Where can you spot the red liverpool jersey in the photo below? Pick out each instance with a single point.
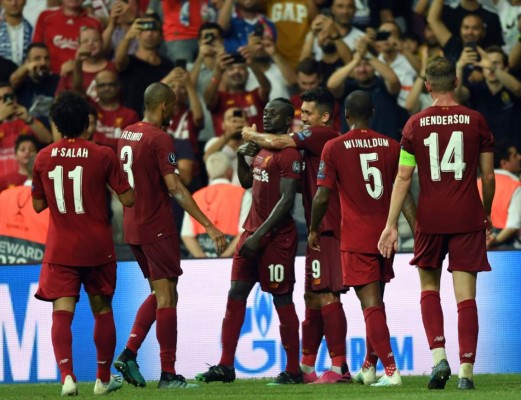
(447, 142)
(362, 165)
(147, 154)
(71, 175)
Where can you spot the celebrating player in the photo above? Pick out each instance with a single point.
(323, 285)
(70, 177)
(362, 165)
(148, 157)
(447, 141)
(267, 248)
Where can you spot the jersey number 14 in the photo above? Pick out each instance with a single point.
(452, 160)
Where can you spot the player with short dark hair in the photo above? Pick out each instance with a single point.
(448, 142)
(267, 248)
(147, 155)
(361, 165)
(323, 279)
(69, 177)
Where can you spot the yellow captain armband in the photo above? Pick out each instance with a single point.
(407, 159)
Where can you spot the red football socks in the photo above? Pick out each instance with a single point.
(312, 332)
(289, 336)
(468, 329)
(166, 331)
(378, 334)
(61, 337)
(105, 341)
(145, 317)
(231, 329)
(371, 358)
(335, 330)
(432, 316)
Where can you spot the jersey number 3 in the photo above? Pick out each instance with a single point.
(128, 157)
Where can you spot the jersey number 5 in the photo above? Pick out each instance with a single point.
(128, 157)
(76, 174)
(452, 160)
(378, 189)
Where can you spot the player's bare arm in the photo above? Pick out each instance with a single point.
(389, 239)
(288, 188)
(409, 211)
(488, 181)
(127, 198)
(318, 211)
(39, 205)
(267, 140)
(244, 171)
(184, 198)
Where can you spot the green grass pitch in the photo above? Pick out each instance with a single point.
(488, 387)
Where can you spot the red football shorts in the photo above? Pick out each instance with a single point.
(467, 251)
(57, 281)
(274, 265)
(324, 267)
(160, 259)
(360, 269)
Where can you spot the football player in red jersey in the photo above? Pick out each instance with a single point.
(362, 165)
(69, 177)
(147, 155)
(323, 283)
(267, 248)
(448, 142)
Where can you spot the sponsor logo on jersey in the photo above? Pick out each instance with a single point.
(171, 159)
(266, 161)
(65, 43)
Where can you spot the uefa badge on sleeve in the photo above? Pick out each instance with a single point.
(297, 168)
(171, 159)
(321, 168)
(302, 135)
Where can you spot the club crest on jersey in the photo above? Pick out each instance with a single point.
(297, 168)
(321, 169)
(171, 159)
(302, 135)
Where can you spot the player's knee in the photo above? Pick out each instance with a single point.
(311, 300)
(281, 300)
(328, 298)
(239, 291)
(100, 304)
(165, 299)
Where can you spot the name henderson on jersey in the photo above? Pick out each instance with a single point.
(445, 120)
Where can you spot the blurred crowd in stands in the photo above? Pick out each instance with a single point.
(225, 59)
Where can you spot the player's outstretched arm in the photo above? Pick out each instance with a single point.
(184, 198)
(318, 210)
(389, 239)
(288, 188)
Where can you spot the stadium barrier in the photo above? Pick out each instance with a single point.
(25, 323)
